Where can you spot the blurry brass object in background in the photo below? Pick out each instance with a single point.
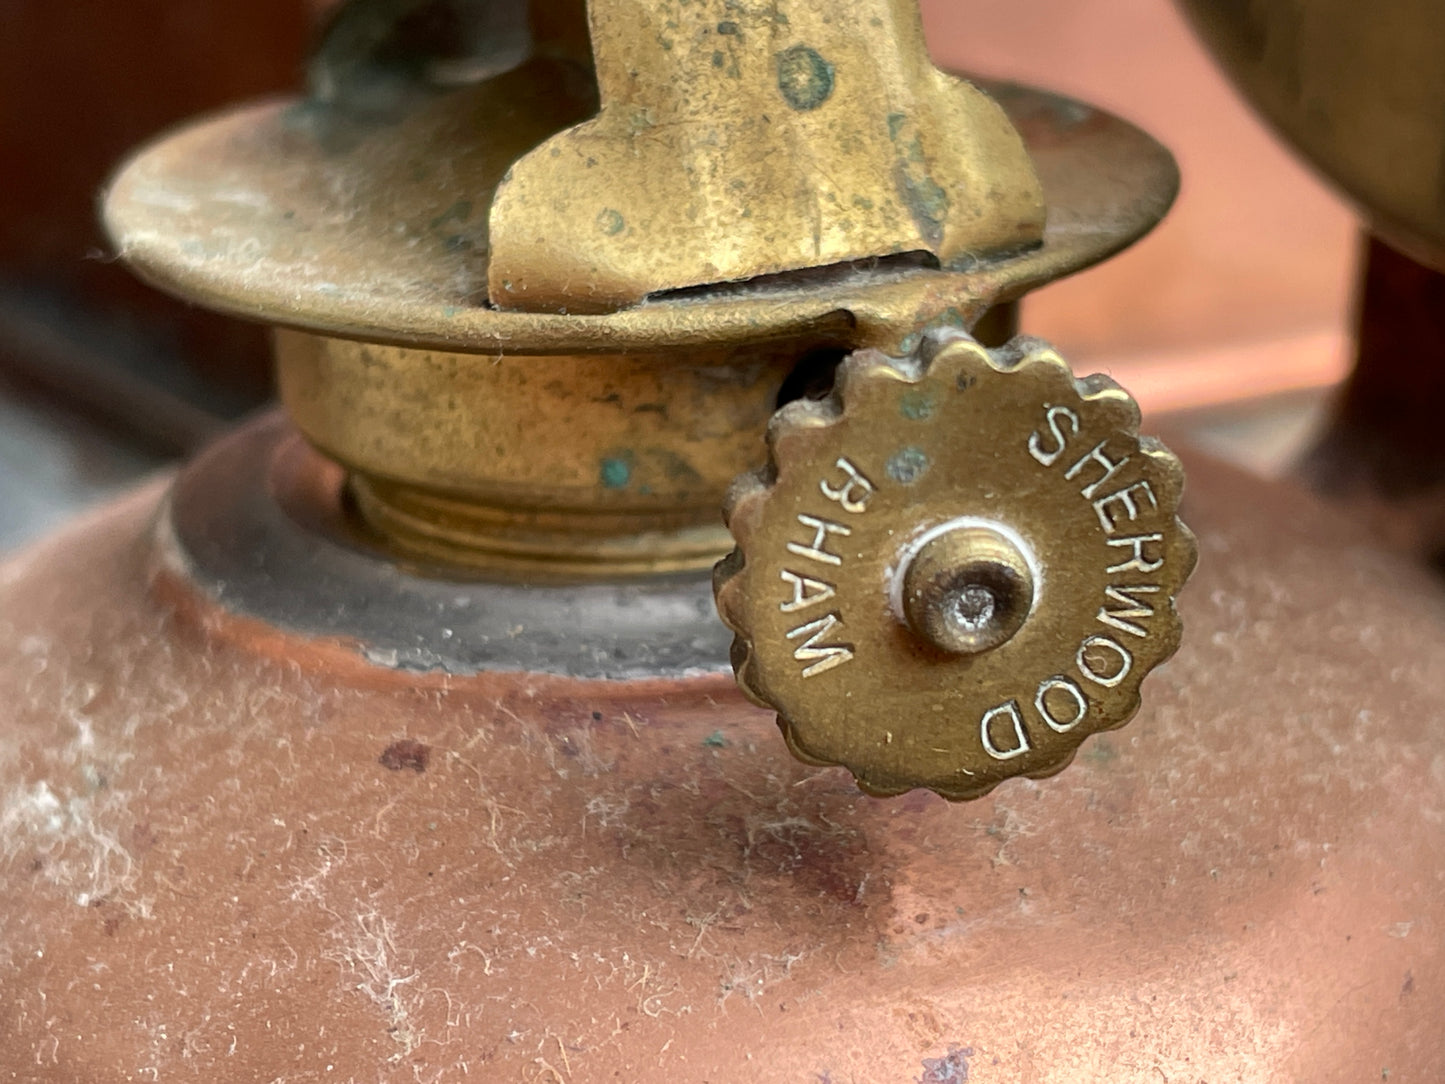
(1359, 88)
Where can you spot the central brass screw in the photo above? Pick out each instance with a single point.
(968, 590)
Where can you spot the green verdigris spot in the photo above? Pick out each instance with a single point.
(611, 222)
(908, 466)
(805, 79)
(917, 406)
(927, 201)
(616, 473)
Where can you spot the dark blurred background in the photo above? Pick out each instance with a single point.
(101, 377)
(1241, 299)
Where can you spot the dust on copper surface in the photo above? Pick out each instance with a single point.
(564, 898)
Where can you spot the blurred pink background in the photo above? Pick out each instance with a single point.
(1257, 251)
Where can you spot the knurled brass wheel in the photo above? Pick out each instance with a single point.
(956, 568)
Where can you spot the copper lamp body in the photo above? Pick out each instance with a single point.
(396, 736)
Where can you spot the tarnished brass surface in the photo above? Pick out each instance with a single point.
(543, 344)
(1359, 89)
(383, 235)
(595, 464)
(863, 485)
(487, 438)
(734, 143)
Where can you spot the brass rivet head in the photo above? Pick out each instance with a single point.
(967, 590)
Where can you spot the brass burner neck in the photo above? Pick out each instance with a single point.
(538, 467)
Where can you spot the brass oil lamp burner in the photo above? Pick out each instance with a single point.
(398, 736)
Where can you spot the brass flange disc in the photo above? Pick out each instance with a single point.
(1068, 548)
(265, 212)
